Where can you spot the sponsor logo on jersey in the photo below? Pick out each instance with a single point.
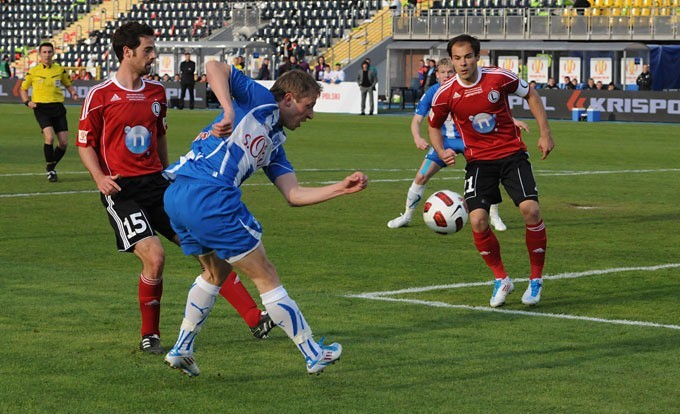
(494, 96)
(156, 108)
(137, 139)
(82, 136)
(483, 123)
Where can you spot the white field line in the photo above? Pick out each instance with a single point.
(458, 174)
(387, 296)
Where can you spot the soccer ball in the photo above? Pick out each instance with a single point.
(445, 212)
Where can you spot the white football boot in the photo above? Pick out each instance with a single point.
(401, 221)
(495, 219)
(533, 293)
(330, 354)
(184, 362)
(502, 288)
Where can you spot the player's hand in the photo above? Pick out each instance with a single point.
(75, 97)
(107, 184)
(224, 127)
(421, 143)
(355, 182)
(521, 125)
(448, 156)
(545, 145)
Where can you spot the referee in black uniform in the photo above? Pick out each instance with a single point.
(47, 102)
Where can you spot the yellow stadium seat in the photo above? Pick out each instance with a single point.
(615, 11)
(645, 11)
(627, 3)
(598, 4)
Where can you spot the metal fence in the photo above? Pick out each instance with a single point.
(662, 24)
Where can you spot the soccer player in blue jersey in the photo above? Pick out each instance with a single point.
(432, 163)
(205, 207)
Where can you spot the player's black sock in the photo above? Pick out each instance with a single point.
(58, 155)
(49, 157)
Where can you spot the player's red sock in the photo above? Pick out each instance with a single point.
(150, 292)
(237, 294)
(488, 247)
(537, 242)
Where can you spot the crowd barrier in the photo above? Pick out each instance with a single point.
(642, 106)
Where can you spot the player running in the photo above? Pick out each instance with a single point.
(477, 98)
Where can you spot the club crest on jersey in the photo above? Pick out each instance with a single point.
(483, 123)
(494, 96)
(137, 139)
(156, 108)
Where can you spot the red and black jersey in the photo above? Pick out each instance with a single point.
(481, 113)
(123, 126)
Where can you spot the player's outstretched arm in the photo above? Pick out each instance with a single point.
(545, 140)
(298, 196)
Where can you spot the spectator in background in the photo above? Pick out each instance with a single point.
(5, 71)
(166, 78)
(551, 84)
(289, 65)
(327, 75)
(264, 73)
(612, 87)
(237, 63)
(304, 66)
(187, 69)
(599, 86)
(580, 6)
(644, 80)
(590, 85)
(177, 78)
(338, 75)
(367, 81)
(532, 84)
(422, 74)
(320, 68)
(431, 76)
(575, 83)
(567, 83)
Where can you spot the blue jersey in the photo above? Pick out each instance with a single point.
(255, 142)
(423, 108)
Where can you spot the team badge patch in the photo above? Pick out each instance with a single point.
(494, 96)
(156, 108)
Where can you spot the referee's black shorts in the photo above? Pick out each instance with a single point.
(51, 114)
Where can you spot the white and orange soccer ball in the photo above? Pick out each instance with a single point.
(445, 212)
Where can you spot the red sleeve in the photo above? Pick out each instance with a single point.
(91, 120)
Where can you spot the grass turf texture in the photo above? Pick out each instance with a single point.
(70, 317)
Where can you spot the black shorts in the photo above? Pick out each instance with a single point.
(137, 211)
(51, 115)
(482, 179)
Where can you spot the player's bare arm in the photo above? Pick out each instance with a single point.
(218, 77)
(545, 140)
(105, 183)
(298, 196)
(421, 143)
(437, 140)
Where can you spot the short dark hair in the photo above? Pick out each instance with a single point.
(45, 44)
(300, 83)
(129, 35)
(465, 38)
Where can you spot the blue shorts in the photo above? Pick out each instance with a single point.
(209, 218)
(455, 144)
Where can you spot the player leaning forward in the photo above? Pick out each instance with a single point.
(477, 99)
(205, 207)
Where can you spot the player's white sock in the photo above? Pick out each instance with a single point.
(285, 313)
(413, 197)
(200, 301)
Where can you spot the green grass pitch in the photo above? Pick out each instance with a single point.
(410, 307)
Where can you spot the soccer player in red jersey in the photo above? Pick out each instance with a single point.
(477, 99)
(122, 142)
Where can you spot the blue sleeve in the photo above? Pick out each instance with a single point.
(425, 102)
(246, 92)
(278, 166)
